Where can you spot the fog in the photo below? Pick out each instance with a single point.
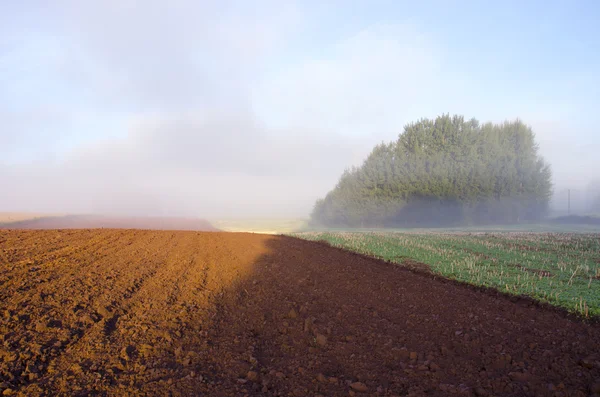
(190, 108)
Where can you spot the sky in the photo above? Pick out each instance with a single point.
(237, 108)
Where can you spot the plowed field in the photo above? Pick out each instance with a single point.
(122, 312)
(109, 222)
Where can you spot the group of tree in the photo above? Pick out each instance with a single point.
(447, 171)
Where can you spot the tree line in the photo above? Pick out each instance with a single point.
(447, 171)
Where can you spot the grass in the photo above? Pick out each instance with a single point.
(562, 269)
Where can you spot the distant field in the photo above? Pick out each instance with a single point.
(258, 225)
(9, 217)
(109, 222)
(562, 269)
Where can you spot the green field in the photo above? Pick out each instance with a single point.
(562, 269)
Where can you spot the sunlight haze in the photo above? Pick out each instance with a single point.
(238, 109)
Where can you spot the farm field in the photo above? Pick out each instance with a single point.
(260, 225)
(562, 269)
(123, 312)
(109, 222)
(11, 217)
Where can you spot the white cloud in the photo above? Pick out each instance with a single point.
(215, 165)
(176, 55)
(186, 149)
(369, 83)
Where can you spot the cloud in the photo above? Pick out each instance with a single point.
(190, 140)
(162, 56)
(368, 83)
(214, 165)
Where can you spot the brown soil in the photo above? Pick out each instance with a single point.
(112, 222)
(122, 312)
(418, 266)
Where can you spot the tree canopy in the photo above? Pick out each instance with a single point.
(447, 171)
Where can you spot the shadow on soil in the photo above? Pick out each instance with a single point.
(312, 319)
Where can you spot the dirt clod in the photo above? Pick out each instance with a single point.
(480, 392)
(127, 352)
(308, 324)
(588, 363)
(321, 340)
(359, 386)
(519, 376)
(252, 376)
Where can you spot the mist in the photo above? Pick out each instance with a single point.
(232, 110)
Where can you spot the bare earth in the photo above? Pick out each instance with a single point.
(111, 222)
(9, 217)
(122, 312)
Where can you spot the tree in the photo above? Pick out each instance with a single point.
(446, 171)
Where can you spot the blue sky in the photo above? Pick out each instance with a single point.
(151, 101)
